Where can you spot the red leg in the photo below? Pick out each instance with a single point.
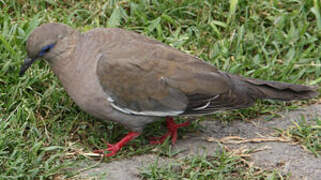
(172, 131)
(114, 148)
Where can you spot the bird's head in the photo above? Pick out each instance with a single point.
(46, 41)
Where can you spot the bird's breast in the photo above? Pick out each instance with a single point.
(81, 84)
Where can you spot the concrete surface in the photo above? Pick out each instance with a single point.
(288, 158)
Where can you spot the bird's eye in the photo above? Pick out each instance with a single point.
(46, 49)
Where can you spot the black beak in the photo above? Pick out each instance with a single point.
(26, 64)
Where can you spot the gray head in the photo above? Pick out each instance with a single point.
(44, 42)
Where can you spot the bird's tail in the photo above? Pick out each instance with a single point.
(260, 89)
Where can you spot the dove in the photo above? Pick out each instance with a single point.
(122, 76)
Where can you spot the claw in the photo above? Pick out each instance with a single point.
(159, 140)
(114, 148)
(99, 151)
(110, 146)
(172, 132)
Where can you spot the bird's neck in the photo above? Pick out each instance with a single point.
(64, 60)
(64, 50)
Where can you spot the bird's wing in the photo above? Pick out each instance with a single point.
(145, 77)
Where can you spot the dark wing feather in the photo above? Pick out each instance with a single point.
(144, 77)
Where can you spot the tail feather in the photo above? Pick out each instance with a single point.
(260, 89)
(244, 91)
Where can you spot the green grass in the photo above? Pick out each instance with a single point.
(221, 165)
(308, 134)
(39, 123)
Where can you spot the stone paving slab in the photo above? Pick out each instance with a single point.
(284, 156)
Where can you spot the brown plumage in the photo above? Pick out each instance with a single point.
(125, 77)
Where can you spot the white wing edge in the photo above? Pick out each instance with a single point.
(207, 104)
(143, 113)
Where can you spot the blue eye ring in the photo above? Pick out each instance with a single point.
(46, 49)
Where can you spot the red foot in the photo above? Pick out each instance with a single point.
(114, 148)
(172, 131)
